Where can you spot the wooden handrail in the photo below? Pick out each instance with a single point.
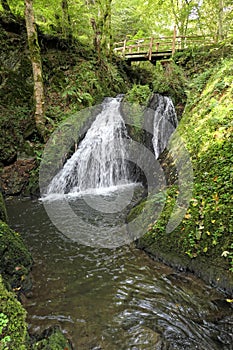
(158, 44)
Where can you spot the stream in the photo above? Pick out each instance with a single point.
(115, 299)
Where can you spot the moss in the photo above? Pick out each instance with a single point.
(13, 327)
(3, 213)
(15, 260)
(54, 340)
(203, 240)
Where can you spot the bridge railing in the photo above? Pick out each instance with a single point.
(155, 45)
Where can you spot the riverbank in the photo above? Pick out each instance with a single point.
(203, 242)
(214, 274)
(15, 285)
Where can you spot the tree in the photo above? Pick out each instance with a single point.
(101, 25)
(34, 50)
(66, 24)
(220, 12)
(182, 11)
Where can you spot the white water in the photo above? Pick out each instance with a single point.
(100, 161)
(165, 123)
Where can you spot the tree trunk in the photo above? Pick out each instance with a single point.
(34, 50)
(66, 24)
(181, 11)
(102, 28)
(107, 28)
(220, 20)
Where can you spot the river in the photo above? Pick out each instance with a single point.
(115, 299)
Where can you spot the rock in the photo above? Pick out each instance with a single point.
(15, 178)
(52, 339)
(3, 213)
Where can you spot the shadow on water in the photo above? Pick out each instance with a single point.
(116, 299)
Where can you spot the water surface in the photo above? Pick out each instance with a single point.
(116, 299)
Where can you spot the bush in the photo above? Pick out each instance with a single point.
(170, 79)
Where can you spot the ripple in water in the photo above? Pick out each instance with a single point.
(116, 299)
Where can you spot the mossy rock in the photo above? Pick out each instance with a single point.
(202, 242)
(15, 259)
(13, 327)
(53, 340)
(3, 213)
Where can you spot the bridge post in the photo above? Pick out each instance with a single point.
(124, 46)
(174, 41)
(150, 48)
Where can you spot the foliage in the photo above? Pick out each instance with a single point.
(209, 140)
(170, 79)
(138, 94)
(135, 102)
(202, 59)
(206, 127)
(13, 327)
(131, 18)
(16, 90)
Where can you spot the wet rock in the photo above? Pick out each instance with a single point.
(52, 339)
(3, 213)
(144, 335)
(15, 178)
(214, 274)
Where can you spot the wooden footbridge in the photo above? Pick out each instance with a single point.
(158, 48)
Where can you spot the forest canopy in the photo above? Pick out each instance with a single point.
(86, 19)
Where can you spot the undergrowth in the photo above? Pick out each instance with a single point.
(207, 129)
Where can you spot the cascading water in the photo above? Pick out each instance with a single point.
(100, 160)
(165, 123)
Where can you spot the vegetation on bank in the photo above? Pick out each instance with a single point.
(205, 233)
(15, 267)
(13, 326)
(15, 264)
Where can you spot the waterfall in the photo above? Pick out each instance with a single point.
(165, 123)
(100, 160)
